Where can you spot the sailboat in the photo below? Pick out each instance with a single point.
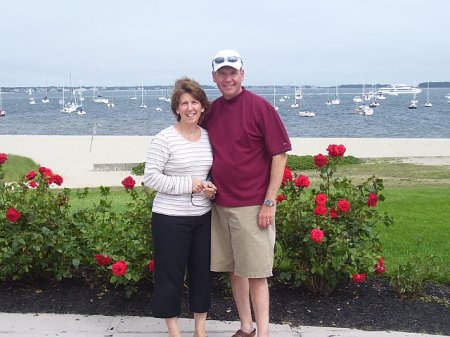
(45, 100)
(2, 112)
(134, 97)
(297, 95)
(31, 99)
(428, 103)
(336, 100)
(274, 97)
(142, 98)
(99, 98)
(414, 102)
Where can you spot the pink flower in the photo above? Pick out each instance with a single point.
(372, 200)
(343, 205)
(320, 160)
(359, 278)
(316, 235)
(119, 268)
(321, 199)
(302, 181)
(102, 260)
(128, 183)
(12, 215)
(151, 265)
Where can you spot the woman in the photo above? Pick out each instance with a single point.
(177, 167)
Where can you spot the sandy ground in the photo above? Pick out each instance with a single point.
(85, 161)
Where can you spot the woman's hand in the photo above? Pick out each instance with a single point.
(197, 185)
(209, 190)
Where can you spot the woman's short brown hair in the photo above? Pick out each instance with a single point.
(187, 85)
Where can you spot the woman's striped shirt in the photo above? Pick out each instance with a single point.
(172, 163)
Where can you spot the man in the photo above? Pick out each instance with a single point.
(249, 144)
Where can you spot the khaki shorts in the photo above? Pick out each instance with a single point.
(237, 243)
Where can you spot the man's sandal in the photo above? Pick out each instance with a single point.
(241, 333)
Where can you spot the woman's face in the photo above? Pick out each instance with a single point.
(189, 109)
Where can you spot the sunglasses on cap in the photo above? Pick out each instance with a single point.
(231, 59)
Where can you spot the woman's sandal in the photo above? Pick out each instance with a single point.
(241, 333)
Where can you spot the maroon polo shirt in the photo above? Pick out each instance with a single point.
(245, 132)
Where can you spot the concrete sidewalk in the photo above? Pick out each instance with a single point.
(53, 325)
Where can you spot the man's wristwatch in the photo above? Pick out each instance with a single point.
(269, 203)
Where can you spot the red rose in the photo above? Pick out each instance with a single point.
(333, 213)
(359, 278)
(381, 261)
(151, 265)
(379, 269)
(119, 268)
(372, 200)
(32, 184)
(3, 158)
(46, 174)
(31, 175)
(320, 210)
(316, 235)
(280, 198)
(336, 150)
(102, 260)
(13, 215)
(302, 181)
(287, 175)
(343, 205)
(57, 179)
(128, 183)
(321, 199)
(320, 160)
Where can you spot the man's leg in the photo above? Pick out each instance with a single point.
(259, 293)
(241, 294)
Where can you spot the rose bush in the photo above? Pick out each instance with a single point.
(37, 238)
(327, 233)
(109, 236)
(41, 237)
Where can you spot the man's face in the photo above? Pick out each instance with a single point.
(228, 80)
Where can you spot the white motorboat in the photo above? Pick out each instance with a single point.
(357, 99)
(306, 114)
(363, 110)
(158, 109)
(45, 100)
(396, 89)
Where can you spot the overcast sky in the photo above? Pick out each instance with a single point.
(316, 42)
